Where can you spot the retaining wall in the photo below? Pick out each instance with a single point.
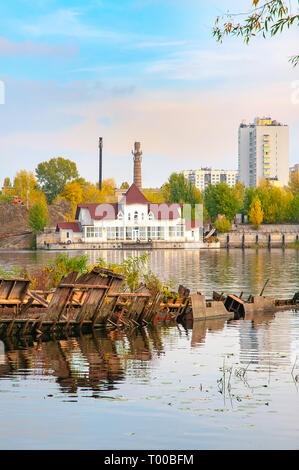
(265, 236)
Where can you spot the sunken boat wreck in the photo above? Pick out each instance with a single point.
(81, 303)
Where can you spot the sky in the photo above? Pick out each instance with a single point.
(136, 70)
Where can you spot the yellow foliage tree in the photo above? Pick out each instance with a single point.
(294, 183)
(156, 197)
(80, 191)
(256, 214)
(72, 192)
(26, 188)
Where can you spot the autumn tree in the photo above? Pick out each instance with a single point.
(222, 224)
(53, 175)
(294, 210)
(266, 18)
(256, 213)
(26, 188)
(275, 202)
(154, 196)
(81, 191)
(38, 217)
(7, 189)
(293, 185)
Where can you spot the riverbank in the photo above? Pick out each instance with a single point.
(266, 236)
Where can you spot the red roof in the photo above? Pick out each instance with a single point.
(74, 226)
(134, 196)
(99, 211)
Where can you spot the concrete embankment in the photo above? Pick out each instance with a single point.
(270, 235)
(120, 245)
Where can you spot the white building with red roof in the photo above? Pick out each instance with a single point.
(135, 219)
(70, 232)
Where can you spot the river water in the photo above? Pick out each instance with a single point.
(220, 385)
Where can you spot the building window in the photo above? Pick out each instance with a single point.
(129, 233)
(67, 234)
(115, 233)
(177, 231)
(156, 233)
(142, 233)
(150, 216)
(94, 232)
(129, 216)
(135, 216)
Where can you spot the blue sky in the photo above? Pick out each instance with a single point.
(145, 70)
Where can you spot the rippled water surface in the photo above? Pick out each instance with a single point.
(219, 385)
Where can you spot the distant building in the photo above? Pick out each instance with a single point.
(263, 152)
(206, 176)
(295, 168)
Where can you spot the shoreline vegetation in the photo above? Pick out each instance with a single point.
(58, 180)
(135, 270)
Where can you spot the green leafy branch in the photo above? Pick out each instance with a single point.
(267, 19)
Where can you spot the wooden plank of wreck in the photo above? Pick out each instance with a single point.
(105, 309)
(142, 310)
(5, 288)
(34, 296)
(60, 298)
(137, 308)
(19, 289)
(106, 306)
(93, 297)
(154, 307)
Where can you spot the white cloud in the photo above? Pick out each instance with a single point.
(178, 130)
(34, 49)
(67, 22)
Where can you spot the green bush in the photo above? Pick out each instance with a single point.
(63, 265)
(222, 224)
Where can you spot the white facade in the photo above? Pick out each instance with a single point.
(263, 152)
(137, 220)
(206, 176)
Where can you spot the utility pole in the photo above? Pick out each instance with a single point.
(100, 162)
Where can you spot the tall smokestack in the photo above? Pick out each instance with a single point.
(137, 165)
(100, 162)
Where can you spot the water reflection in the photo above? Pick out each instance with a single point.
(102, 360)
(230, 271)
(97, 361)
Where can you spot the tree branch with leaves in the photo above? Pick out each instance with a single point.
(266, 19)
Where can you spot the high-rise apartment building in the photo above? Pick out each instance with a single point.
(263, 152)
(295, 168)
(206, 176)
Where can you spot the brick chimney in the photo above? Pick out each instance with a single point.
(137, 165)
